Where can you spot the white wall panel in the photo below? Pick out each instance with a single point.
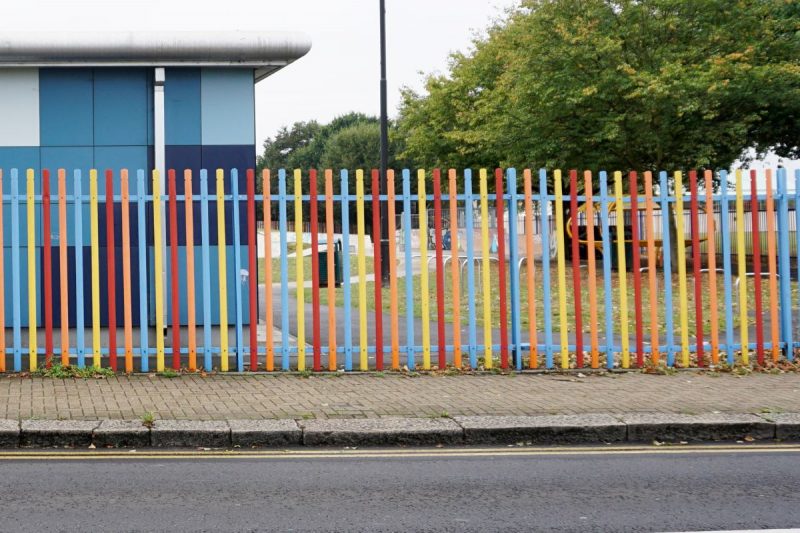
(19, 107)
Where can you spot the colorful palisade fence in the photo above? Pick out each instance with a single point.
(538, 270)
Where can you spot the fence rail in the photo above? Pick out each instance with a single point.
(480, 293)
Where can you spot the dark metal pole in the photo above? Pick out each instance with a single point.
(384, 244)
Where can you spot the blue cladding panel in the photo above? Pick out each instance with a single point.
(69, 158)
(228, 106)
(233, 277)
(23, 289)
(66, 107)
(182, 102)
(21, 158)
(120, 107)
(116, 158)
(226, 158)
(87, 286)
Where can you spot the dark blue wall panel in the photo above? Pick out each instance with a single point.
(87, 289)
(66, 106)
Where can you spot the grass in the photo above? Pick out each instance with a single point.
(148, 419)
(58, 371)
(647, 300)
(169, 373)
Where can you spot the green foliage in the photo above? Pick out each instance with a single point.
(304, 145)
(58, 371)
(169, 373)
(616, 85)
(356, 146)
(148, 419)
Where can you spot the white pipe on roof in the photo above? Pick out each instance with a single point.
(264, 51)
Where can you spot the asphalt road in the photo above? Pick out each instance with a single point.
(444, 490)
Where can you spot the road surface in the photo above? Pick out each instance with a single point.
(506, 489)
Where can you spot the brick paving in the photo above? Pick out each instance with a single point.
(217, 397)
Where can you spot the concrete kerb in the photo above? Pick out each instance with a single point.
(553, 429)
(706, 427)
(57, 433)
(460, 430)
(381, 432)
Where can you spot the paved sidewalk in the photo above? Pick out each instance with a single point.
(240, 397)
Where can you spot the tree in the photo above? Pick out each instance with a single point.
(616, 85)
(354, 147)
(351, 142)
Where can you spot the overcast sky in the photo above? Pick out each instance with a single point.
(340, 74)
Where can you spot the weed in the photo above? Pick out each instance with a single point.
(148, 419)
(58, 371)
(379, 374)
(169, 373)
(305, 374)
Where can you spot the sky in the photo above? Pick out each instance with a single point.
(341, 72)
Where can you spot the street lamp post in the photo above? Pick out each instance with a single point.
(384, 230)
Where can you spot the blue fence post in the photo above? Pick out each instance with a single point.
(347, 295)
(470, 237)
(237, 269)
(544, 204)
(141, 201)
(206, 255)
(284, 269)
(410, 342)
(790, 355)
(784, 268)
(15, 271)
(516, 320)
(664, 198)
(79, 325)
(607, 253)
(725, 231)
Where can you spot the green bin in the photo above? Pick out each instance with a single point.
(337, 265)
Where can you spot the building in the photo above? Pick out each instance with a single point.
(144, 100)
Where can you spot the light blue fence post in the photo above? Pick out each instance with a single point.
(208, 346)
(237, 269)
(79, 325)
(784, 268)
(346, 290)
(666, 248)
(410, 362)
(725, 231)
(470, 237)
(284, 269)
(141, 202)
(607, 253)
(790, 355)
(15, 271)
(544, 204)
(516, 320)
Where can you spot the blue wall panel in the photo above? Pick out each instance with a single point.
(21, 158)
(232, 278)
(23, 289)
(182, 102)
(117, 158)
(120, 107)
(69, 158)
(66, 108)
(228, 106)
(87, 288)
